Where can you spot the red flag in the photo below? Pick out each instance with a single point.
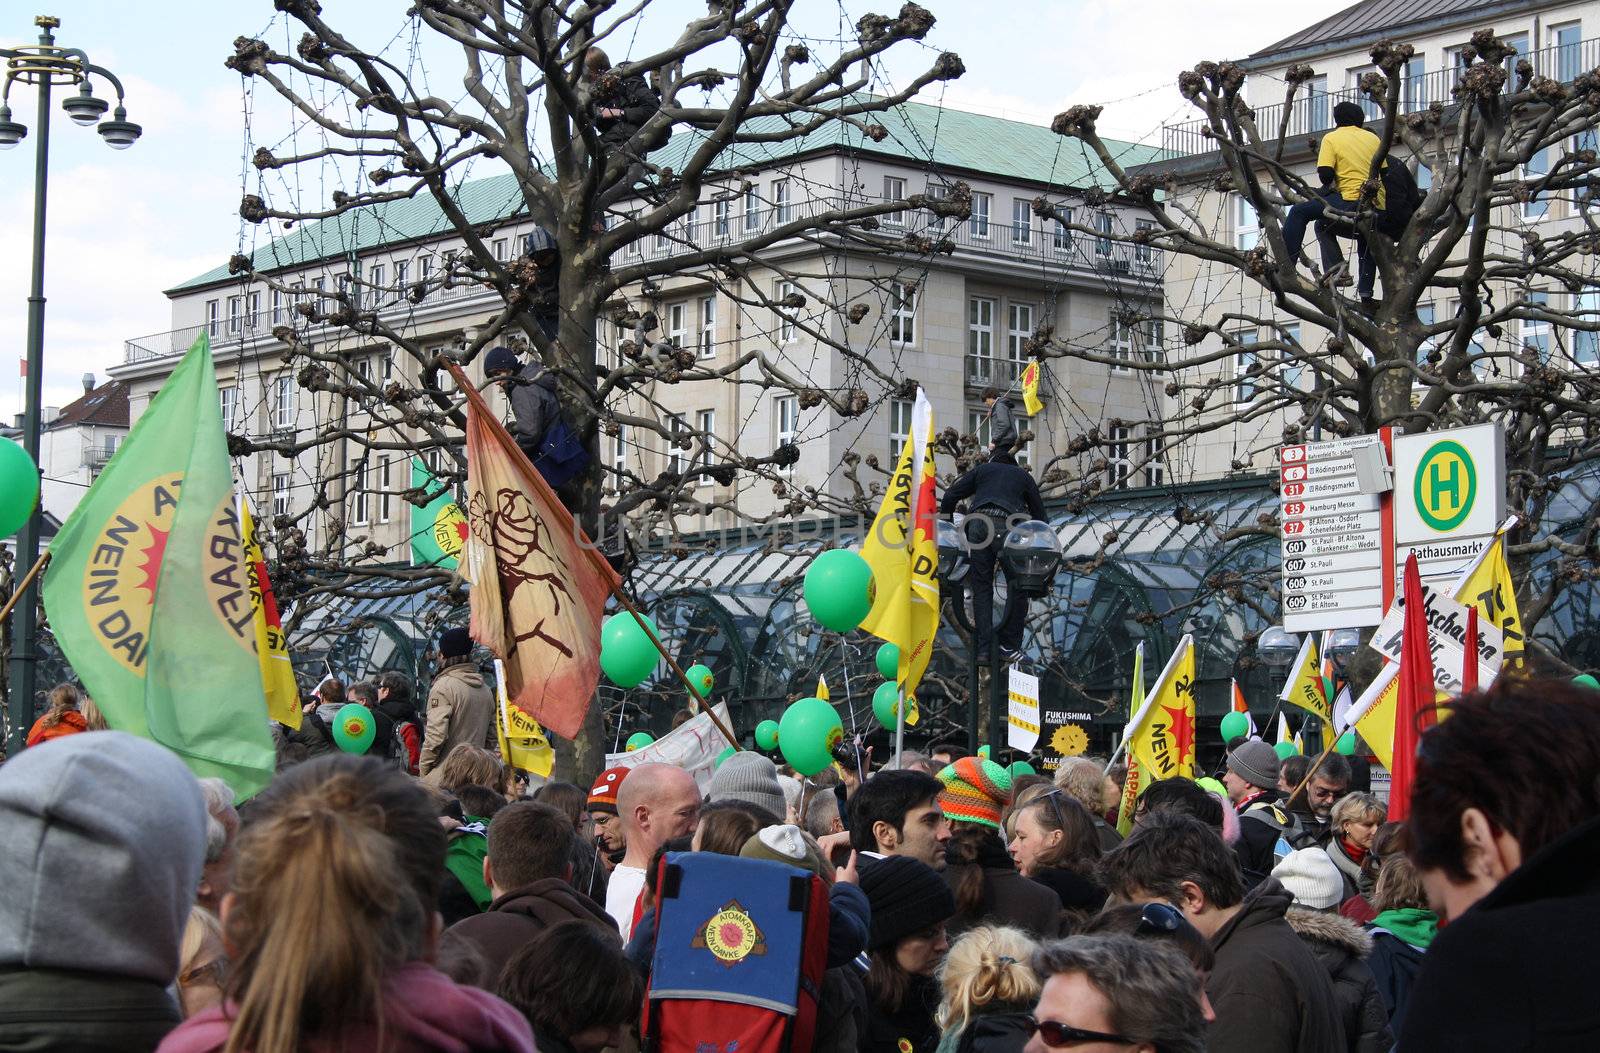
(539, 586)
(1416, 693)
(1469, 664)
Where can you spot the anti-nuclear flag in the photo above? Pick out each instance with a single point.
(438, 529)
(903, 551)
(1032, 373)
(149, 595)
(1241, 706)
(539, 584)
(1161, 735)
(1305, 687)
(522, 741)
(1487, 586)
(272, 647)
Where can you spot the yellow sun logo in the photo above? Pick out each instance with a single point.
(1069, 740)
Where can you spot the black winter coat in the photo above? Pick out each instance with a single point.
(909, 1029)
(1509, 973)
(48, 1010)
(1270, 993)
(994, 484)
(638, 103)
(1395, 965)
(997, 1033)
(1342, 948)
(1008, 898)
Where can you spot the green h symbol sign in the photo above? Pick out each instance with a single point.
(1446, 485)
(1444, 481)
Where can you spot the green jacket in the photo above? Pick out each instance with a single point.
(65, 1011)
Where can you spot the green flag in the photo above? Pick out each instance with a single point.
(438, 529)
(148, 593)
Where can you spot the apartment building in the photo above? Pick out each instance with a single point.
(75, 442)
(1561, 40)
(955, 318)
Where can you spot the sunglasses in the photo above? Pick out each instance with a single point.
(1159, 919)
(1059, 1036)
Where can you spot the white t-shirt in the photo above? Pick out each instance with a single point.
(621, 895)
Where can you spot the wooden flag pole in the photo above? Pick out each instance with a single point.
(694, 693)
(22, 586)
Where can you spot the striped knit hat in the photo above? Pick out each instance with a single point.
(603, 795)
(975, 789)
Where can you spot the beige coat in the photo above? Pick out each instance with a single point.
(460, 709)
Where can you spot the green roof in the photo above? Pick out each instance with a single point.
(940, 138)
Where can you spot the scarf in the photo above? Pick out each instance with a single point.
(1410, 925)
(1355, 852)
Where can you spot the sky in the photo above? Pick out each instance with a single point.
(125, 225)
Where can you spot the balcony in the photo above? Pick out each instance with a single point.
(984, 371)
(96, 457)
(1312, 114)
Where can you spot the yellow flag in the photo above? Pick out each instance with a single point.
(1487, 586)
(1304, 686)
(903, 551)
(1161, 735)
(272, 647)
(1030, 387)
(1283, 729)
(1374, 713)
(522, 741)
(822, 687)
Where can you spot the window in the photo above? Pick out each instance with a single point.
(253, 315)
(1537, 168)
(425, 269)
(980, 337)
(936, 193)
(277, 306)
(321, 300)
(1567, 40)
(1021, 221)
(499, 248)
(899, 429)
(720, 209)
(752, 208)
(781, 291)
(1141, 249)
(1246, 224)
(213, 323)
(358, 506)
(1155, 337)
(619, 450)
(978, 222)
(400, 267)
(1102, 223)
(978, 425)
(1536, 331)
(708, 326)
(1424, 177)
(384, 496)
(677, 327)
(705, 422)
(1353, 81)
(1060, 232)
(677, 459)
(376, 276)
(1312, 107)
(1292, 369)
(1019, 330)
(661, 241)
(280, 493)
(1117, 456)
(786, 424)
(234, 307)
(1121, 341)
(1475, 348)
(1155, 462)
(902, 313)
(894, 189)
(1245, 384)
(283, 401)
(780, 200)
(228, 402)
(1586, 345)
(1414, 85)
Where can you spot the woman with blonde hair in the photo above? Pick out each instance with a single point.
(988, 991)
(1352, 825)
(202, 963)
(330, 926)
(467, 765)
(1084, 780)
(62, 718)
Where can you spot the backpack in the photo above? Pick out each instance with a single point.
(562, 454)
(741, 948)
(1401, 197)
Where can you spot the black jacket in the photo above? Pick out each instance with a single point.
(1270, 993)
(1261, 823)
(49, 1010)
(994, 484)
(1395, 965)
(1006, 1031)
(1342, 948)
(1509, 973)
(1008, 897)
(909, 1029)
(638, 103)
(1076, 892)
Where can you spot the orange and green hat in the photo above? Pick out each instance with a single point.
(975, 790)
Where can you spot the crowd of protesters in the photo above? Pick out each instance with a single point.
(417, 898)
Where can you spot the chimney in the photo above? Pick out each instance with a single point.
(88, 383)
(19, 420)
(48, 414)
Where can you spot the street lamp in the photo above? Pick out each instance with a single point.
(44, 65)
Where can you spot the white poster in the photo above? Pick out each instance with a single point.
(1022, 711)
(694, 747)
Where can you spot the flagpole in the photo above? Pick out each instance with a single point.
(899, 725)
(672, 663)
(22, 586)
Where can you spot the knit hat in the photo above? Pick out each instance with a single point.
(975, 790)
(1312, 878)
(455, 642)
(500, 358)
(907, 896)
(603, 795)
(1256, 763)
(787, 844)
(749, 777)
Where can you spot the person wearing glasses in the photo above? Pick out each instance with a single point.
(1116, 994)
(1163, 923)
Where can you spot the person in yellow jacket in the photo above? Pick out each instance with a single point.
(1344, 164)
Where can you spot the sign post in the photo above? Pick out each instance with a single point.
(1449, 497)
(1332, 511)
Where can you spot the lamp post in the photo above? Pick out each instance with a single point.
(45, 65)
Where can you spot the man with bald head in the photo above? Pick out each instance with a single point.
(655, 803)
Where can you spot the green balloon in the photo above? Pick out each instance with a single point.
(983, 751)
(19, 482)
(1211, 785)
(1582, 679)
(1235, 724)
(701, 680)
(353, 729)
(1021, 768)
(885, 701)
(839, 589)
(807, 734)
(889, 661)
(627, 656)
(725, 754)
(639, 740)
(1285, 750)
(767, 734)
(1346, 744)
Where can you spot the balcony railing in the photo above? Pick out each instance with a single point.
(1037, 244)
(983, 371)
(1313, 113)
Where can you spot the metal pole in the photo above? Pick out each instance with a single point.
(26, 627)
(972, 695)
